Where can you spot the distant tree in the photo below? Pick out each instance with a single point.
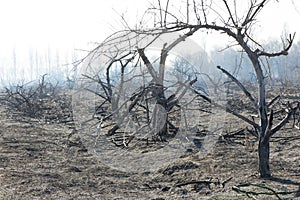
(14, 67)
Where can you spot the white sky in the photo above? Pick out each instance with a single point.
(74, 23)
(57, 22)
(66, 22)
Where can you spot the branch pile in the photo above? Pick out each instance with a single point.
(41, 100)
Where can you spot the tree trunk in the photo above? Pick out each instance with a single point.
(264, 144)
(263, 158)
(161, 115)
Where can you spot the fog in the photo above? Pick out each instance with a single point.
(47, 37)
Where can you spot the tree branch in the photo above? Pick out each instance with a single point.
(268, 131)
(230, 14)
(148, 64)
(166, 49)
(273, 100)
(283, 52)
(241, 86)
(250, 16)
(227, 109)
(289, 112)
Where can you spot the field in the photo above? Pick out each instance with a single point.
(46, 159)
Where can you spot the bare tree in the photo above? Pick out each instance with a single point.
(239, 27)
(136, 85)
(235, 19)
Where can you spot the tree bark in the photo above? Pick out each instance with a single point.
(161, 100)
(262, 108)
(264, 157)
(264, 144)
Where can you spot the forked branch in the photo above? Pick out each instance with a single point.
(290, 110)
(285, 50)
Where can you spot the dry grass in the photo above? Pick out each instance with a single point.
(48, 161)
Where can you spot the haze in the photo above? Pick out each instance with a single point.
(62, 26)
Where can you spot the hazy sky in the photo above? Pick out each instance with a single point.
(76, 22)
(57, 22)
(29, 26)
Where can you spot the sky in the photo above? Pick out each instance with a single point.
(77, 22)
(74, 24)
(57, 22)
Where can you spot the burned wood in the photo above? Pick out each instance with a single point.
(113, 130)
(41, 100)
(285, 50)
(241, 86)
(273, 100)
(252, 132)
(269, 191)
(236, 134)
(227, 109)
(290, 110)
(284, 140)
(197, 182)
(206, 182)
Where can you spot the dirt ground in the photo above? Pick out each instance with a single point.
(41, 160)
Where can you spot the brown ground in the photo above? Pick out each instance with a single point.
(48, 161)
